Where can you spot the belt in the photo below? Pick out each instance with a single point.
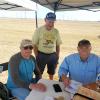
(46, 53)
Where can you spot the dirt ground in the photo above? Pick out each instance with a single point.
(12, 31)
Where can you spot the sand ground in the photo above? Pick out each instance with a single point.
(12, 31)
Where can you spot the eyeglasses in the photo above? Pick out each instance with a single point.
(28, 47)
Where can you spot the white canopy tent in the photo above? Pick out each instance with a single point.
(61, 5)
(55, 5)
(9, 6)
(19, 5)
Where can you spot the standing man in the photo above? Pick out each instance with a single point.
(46, 41)
(83, 66)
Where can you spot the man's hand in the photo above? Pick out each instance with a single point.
(66, 80)
(35, 50)
(38, 86)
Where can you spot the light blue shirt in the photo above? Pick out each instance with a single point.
(81, 71)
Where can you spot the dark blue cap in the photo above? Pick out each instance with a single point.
(51, 16)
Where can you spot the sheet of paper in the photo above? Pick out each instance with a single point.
(73, 87)
(48, 98)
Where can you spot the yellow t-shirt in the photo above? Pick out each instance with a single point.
(45, 40)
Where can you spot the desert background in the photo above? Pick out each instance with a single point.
(12, 31)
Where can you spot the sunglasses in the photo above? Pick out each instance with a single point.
(28, 47)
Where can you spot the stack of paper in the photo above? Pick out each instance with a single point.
(73, 87)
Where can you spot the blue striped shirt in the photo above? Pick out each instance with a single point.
(81, 71)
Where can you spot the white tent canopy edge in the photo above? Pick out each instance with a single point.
(64, 5)
(17, 5)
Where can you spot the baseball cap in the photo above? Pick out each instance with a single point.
(51, 16)
(25, 42)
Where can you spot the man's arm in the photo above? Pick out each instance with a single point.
(37, 74)
(36, 70)
(35, 41)
(58, 43)
(35, 50)
(58, 51)
(14, 69)
(63, 71)
(65, 79)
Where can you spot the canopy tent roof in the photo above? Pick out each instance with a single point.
(14, 6)
(19, 5)
(59, 5)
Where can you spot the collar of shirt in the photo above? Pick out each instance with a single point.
(84, 61)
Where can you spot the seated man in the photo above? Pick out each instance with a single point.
(20, 72)
(82, 66)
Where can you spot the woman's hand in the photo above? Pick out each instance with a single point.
(38, 86)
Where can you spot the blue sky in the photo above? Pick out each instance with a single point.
(65, 15)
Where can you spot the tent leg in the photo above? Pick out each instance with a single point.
(36, 19)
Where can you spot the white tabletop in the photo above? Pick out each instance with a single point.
(37, 95)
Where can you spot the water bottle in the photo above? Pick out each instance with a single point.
(98, 83)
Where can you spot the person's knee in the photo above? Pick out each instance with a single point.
(51, 71)
(51, 68)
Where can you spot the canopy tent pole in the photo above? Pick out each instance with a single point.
(36, 20)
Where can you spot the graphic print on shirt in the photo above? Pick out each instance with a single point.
(49, 40)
